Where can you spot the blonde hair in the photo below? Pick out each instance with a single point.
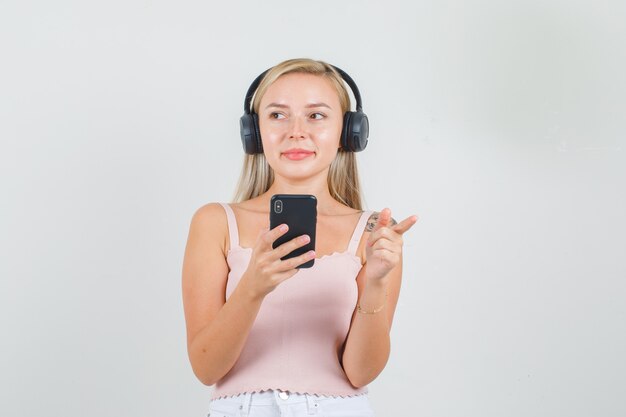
(343, 178)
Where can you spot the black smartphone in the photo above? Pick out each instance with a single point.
(299, 212)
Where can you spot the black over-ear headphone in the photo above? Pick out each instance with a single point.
(353, 135)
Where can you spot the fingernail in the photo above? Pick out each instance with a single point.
(305, 238)
(283, 227)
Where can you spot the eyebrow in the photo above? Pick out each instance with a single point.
(308, 106)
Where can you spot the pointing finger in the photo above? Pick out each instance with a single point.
(405, 224)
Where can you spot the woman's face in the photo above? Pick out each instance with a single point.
(300, 120)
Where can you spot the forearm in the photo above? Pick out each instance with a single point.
(216, 348)
(368, 344)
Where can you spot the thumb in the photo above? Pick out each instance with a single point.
(383, 219)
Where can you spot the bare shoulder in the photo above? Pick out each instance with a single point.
(209, 223)
(373, 221)
(210, 214)
(209, 211)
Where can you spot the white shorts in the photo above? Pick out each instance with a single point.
(277, 403)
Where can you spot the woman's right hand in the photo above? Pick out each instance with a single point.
(266, 270)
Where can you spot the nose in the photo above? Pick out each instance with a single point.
(296, 128)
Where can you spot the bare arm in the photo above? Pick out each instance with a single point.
(368, 343)
(217, 329)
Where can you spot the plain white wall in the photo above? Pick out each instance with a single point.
(501, 124)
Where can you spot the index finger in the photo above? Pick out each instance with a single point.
(405, 224)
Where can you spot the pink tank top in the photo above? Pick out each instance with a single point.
(296, 341)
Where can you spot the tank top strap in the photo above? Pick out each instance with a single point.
(233, 232)
(358, 232)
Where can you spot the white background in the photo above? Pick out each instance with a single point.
(501, 124)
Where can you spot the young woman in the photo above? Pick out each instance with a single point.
(275, 339)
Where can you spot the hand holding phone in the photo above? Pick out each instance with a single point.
(299, 212)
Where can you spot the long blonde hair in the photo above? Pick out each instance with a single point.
(343, 178)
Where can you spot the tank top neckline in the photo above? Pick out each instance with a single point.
(350, 251)
(328, 255)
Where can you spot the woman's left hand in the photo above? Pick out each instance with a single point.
(384, 246)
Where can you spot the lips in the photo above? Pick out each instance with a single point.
(297, 154)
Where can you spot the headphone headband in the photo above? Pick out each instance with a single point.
(344, 75)
(252, 90)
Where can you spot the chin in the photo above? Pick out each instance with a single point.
(301, 173)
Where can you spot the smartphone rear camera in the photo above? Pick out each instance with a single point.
(278, 206)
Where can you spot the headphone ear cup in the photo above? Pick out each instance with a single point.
(257, 134)
(344, 131)
(355, 131)
(250, 136)
(360, 130)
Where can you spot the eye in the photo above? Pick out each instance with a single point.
(321, 116)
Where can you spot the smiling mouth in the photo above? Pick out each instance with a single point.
(297, 156)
